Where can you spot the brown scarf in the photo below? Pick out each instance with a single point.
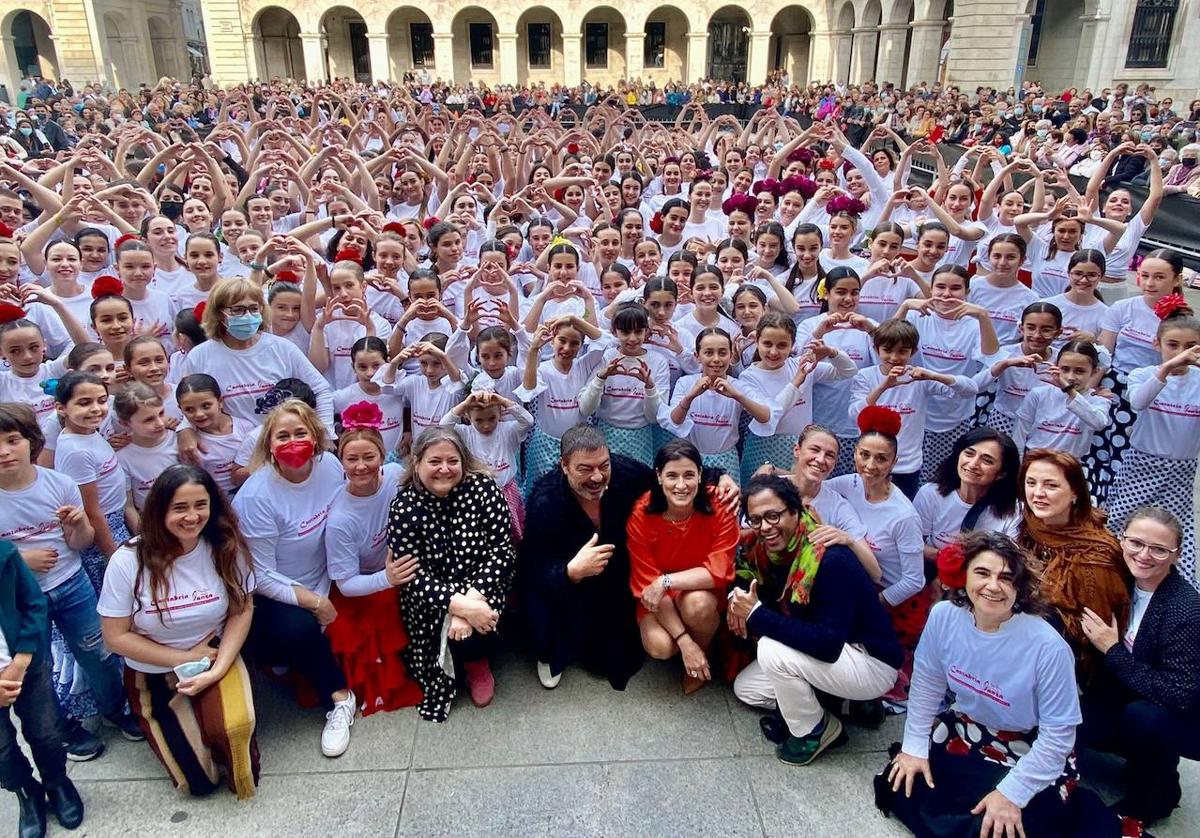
(1079, 566)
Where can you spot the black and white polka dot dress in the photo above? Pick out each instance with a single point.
(461, 541)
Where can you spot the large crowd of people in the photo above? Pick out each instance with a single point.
(343, 385)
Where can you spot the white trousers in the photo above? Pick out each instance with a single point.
(785, 678)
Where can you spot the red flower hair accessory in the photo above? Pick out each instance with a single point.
(766, 185)
(394, 227)
(10, 312)
(430, 221)
(287, 276)
(702, 175)
(656, 223)
(846, 204)
(1170, 304)
(128, 237)
(879, 419)
(348, 254)
(806, 186)
(572, 148)
(362, 416)
(107, 286)
(743, 202)
(827, 164)
(801, 155)
(952, 566)
(5, 231)
(198, 311)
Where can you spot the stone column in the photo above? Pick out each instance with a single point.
(635, 54)
(314, 57)
(820, 56)
(508, 57)
(924, 52)
(890, 64)
(760, 57)
(228, 58)
(254, 68)
(697, 57)
(443, 55)
(572, 59)
(841, 44)
(381, 63)
(1091, 52)
(862, 62)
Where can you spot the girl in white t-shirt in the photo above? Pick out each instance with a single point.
(1000, 291)
(178, 595)
(220, 433)
(286, 302)
(885, 284)
(426, 313)
(345, 318)
(146, 363)
(1082, 309)
(496, 442)
(1014, 370)
(151, 449)
(1048, 259)
(153, 310)
(24, 348)
(202, 253)
(1065, 412)
(83, 454)
(429, 393)
(368, 355)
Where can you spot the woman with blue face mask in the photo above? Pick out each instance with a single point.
(32, 141)
(245, 358)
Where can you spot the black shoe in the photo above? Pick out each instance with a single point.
(65, 803)
(127, 723)
(82, 746)
(774, 727)
(868, 714)
(33, 810)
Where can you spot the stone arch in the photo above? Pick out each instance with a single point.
(469, 57)
(347, 53)
(164, 47)
(279, 52)
(410, 41)
(535, 44)
(692, 14)
(729, 44)
(28, 48)
(1055, 46)
(120, 51)
(791, 42)
(609, 64)
(671, 60)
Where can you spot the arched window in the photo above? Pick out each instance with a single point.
(1150, 39)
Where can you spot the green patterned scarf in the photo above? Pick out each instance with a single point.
(800, 556)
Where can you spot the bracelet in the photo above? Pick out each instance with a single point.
(258, 266)
(675, 639)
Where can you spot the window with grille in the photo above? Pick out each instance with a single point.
(656, 44)
(421, 38)
(596, 36)
(1150, 38)
(1035, 31)
(481, 44)
(539, 45)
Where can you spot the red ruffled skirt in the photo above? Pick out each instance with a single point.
(908, 618)
(367, 637)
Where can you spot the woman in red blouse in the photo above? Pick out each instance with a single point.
(681, 546)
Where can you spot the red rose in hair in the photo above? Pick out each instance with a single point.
(745, 203)
(394, 227)
(952, 566)
(362, 415)
(198, 311)
(1170, 304)
(128, 237)
(287, 276)
(827, 164)
(572, 148)
(656, 223)
(804, 185)
(107, 286)
(430, 221)
(10, 312)
(878, 418)
(5, 231)
(846, 204)
(348, 254)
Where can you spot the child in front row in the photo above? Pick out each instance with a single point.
(1064, 412)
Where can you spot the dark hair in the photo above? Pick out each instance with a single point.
(500, 335)
(957, 270)
(833, 278)
(581, 437)
(794, 273)
(369, 343)
(1169, 256)
(1091, 256)
(105, 298)
(335, 244)
(563, 247)
(80, 352)
(197, 382)
(709, 331)
(1014, 239)
(620, 270)
(1081, 347)
(188, 326)
(1042, 307)
(20, 419)
(774, 228)
(660, 283)
(137, 343)
(495, 246)
(678, 449)
(284, 389)
(784, 489)
(156, 548)
(425, 273)
(977, 542)
(1001, 497)
(631, 317)
(69, 383)
(91, 232)
(895, 333)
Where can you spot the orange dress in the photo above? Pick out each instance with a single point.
(658, 546)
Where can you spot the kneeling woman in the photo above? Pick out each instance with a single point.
(817, 618)
(1000, 761)
(180, 593)
(450, 516)
(368, 636)
(681, 544)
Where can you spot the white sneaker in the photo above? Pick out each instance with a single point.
(335, 738)
(548, 680)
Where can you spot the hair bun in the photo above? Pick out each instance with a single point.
(846, 204)
(879, 419)
(107, 286)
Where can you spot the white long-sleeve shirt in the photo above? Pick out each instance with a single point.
(622, 400)
(356, 537)
(1168, 413)
(893, 532)
(1017, 678)
(499, 449)
(1046, 419)
(791, 407)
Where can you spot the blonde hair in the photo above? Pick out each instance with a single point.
(224, 294)
(307, 416)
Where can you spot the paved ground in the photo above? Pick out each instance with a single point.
(580, 760)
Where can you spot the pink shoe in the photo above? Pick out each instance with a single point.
(480, 682)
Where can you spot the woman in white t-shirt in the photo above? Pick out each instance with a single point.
(284, 508)
(176, 604)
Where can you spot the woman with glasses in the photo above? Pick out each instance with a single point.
(245, 358)
(1078, 561)
(1144, 702)
(816, 621)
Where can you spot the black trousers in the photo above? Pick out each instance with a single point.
(1152, 739)
(288, 635)
(42, 726)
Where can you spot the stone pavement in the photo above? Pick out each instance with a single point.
(581, 760)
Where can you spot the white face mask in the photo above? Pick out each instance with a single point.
(1097, 155)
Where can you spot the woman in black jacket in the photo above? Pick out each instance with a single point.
(1144, 707)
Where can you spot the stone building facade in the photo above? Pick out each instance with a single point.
(1083, 43)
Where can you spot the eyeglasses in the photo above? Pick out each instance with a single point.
(242, 311)
(773, 517)
(1136, 546)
